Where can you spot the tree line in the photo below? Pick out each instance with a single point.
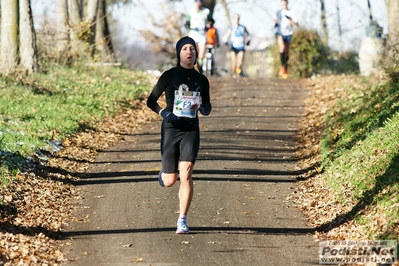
(81, 27)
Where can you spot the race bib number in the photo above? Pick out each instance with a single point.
(186, 103)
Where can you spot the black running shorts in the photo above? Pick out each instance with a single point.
(178, 143)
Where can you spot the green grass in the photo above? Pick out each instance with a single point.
(41, 107)
(360, 153)
(357, 115)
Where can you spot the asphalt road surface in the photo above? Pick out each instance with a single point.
(244, 175)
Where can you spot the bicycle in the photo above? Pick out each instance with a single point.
(208, 66)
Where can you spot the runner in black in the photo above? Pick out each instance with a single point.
(186, 92)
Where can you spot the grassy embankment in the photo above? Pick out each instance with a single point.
(39, 110)
(360, 156)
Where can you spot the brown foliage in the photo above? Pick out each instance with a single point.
(163, 35)
(39, 203)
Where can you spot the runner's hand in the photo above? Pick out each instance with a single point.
(169, 117)
(205, 108)
(288, 17)
(187, 25)
(248, 42)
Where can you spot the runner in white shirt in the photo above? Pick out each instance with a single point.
(196, 22)
(239, 37)
(285, 20)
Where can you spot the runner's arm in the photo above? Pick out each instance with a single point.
(293, 19)
(159, 88)
(205, 96)
(187, 24)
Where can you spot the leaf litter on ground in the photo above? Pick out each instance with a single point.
(38, 204)
(319, 205)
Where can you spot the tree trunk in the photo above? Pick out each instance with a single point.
(341, 49)
(74, 12)
(226, 11)
(9, 35)
(75, 19)
(370, 13)
(103, 36)
(28, 49)
(83, 7)
(62, 26)
(92, 7)
(324, 22)
(392, 46)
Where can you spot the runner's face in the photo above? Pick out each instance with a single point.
(187, 56)
(237, 19)
(198, 4)
(284, 5)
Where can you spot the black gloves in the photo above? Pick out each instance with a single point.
(187, 25)
(248, 42)
(205, 108)
(169, 117)
(288, 17)
(276, 25)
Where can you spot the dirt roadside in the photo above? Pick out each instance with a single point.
(243, 178)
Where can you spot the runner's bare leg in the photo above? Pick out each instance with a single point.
(186, 190)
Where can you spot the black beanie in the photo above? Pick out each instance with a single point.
(183, 41)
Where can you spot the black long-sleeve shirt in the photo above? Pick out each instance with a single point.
(171, 80)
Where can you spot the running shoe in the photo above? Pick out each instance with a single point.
(238, 71)
(281, 71)
(182, 227)
(285, 75)
(160, 179)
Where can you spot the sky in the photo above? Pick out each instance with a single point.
(257, 16)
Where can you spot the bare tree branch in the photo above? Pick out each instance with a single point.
(164, 34)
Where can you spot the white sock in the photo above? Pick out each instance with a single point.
(182, 217)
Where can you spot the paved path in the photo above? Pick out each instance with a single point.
(240, 214)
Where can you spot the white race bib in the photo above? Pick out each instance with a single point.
(186, 102)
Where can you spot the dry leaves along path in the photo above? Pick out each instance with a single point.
(240, 213)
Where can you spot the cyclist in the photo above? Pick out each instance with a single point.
(212, 41)
(212, 35)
